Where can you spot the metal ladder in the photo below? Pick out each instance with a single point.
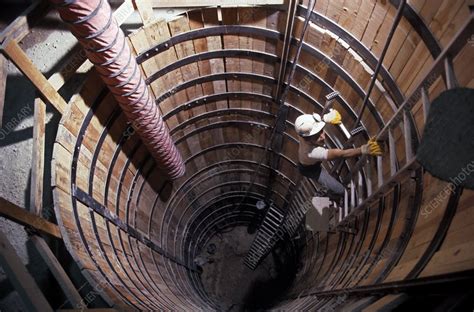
(361, 194)
(265, 238)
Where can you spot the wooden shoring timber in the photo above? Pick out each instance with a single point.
(73, 296)
(187, 72)
(270, 48)
(23, 217)
(145, 10)
(374, 23)
(362, 19)
(210, 18)
(231, 17)
(190, 72)
(257, 18)
(20, 278)
(200, 45)
(245, 15)
(37, 166)
(15, 53)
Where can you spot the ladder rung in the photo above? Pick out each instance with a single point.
(392, 151)
(450, 76)
(268, 220)
(379, 171)
(360, 191)
(357, 130)
(353, 195)
(266, 231)
(276, 212)
(368, 177)
(331, 96)
(346, 204)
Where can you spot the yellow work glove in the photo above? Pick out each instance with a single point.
(372, 148)
(333, 117)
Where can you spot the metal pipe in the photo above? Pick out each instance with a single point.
(281, 98)
(290, 19)
(398, 17)
(337, 166)
(92, 23)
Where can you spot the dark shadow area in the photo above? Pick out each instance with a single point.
(265, 294)
(10, 10)
(234, 287)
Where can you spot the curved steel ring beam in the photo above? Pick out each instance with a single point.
(190, 234)
(218, 97)
(202, 207)
(205, 205)
(202, 218)
(241, 53)
(272, 34)
(227, 145)
(216, 147)
(416, 21)
(251, 113)
(272, 59)
(238, 124)
(184, 187)
(197, 218)
(164, 222)
(198, 184)
(229, 123)
(267, 80)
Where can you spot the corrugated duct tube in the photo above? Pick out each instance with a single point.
(92, 23)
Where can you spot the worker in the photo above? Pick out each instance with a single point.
(312, 151)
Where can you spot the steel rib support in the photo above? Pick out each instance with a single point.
(90, 202)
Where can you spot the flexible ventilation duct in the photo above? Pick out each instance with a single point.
(92, 23)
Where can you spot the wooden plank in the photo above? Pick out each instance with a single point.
(20, 278)
(246, 16)
(145, 10)
(20, 215)
(230, 17)
(210, 18)
(37, 166)
(58, 272)
(77, 61)
(200, 45)
(362, 19)
(21, 26)
(26, 66)
(375, 22)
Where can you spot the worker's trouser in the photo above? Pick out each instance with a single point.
(333, 188)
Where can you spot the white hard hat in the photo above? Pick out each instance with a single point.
(309, 124)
